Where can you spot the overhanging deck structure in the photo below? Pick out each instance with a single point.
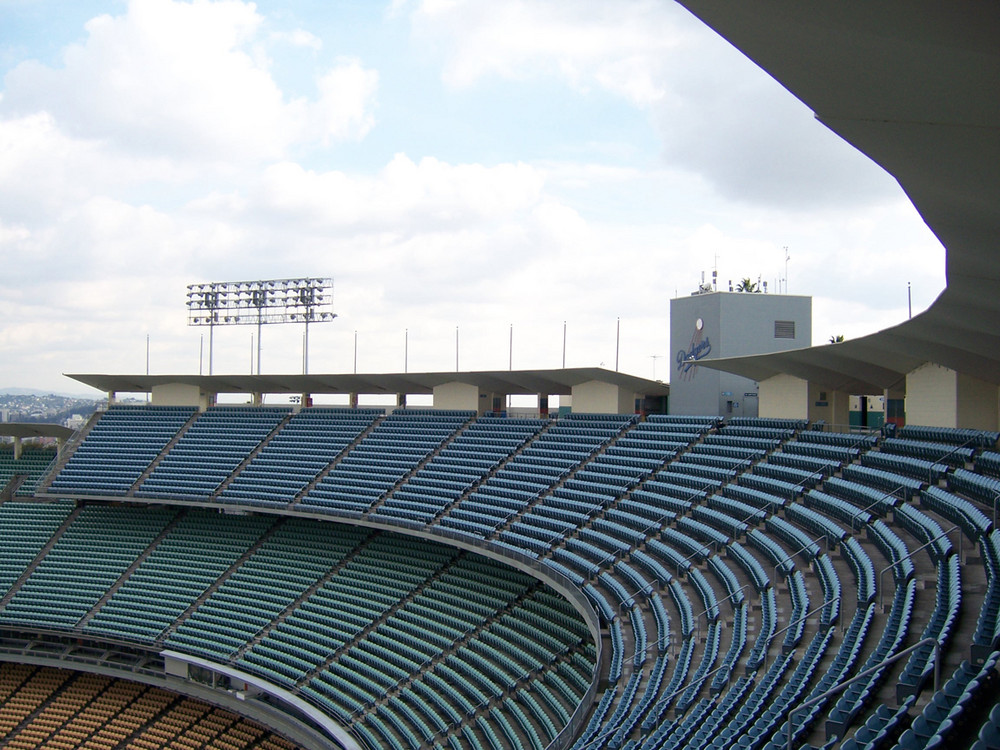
(913, 86)
(593, 389)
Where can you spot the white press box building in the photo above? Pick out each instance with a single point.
(710, 324)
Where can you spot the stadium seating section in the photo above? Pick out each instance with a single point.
(737, 570)
(28, 468)
(65, 710)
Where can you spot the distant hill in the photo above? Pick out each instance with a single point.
(17, 391)
(33, 405)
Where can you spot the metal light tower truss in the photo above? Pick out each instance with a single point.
(299, 300)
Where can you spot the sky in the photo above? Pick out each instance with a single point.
(491, 173)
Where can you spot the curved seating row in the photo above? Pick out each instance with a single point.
(32, 464)
(630, 512)
(341, 615)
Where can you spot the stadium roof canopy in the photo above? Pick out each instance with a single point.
(34, 429)
(513, 382)
(914, 85)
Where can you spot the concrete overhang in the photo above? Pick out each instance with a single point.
(511, 382)
(913, 86)
(34, 430)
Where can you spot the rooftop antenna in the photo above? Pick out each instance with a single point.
(618, 340)
(704, 288)
(787, 256)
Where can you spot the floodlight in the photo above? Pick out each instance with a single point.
(260, 302)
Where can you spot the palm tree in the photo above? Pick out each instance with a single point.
(837, 339)
(746, 285)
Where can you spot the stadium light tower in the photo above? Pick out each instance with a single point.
(298, 300)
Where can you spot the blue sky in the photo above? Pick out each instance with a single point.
(449, 163)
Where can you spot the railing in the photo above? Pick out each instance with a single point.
(841, 686)
(800, 550)
(127, 660)
(597, 742)
(953, 450)
(845, 428)
(807, 615)
(881, 590)
(877, 502)
(730, 595)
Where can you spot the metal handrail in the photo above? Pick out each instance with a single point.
(955, 449)
(659, 702)
(716, 605)
(808, 614)
(797, 552)
(869, 507)
(907, 556)
(682, 688)
(841, 686)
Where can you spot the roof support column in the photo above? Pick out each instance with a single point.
(455, 395)
(783, 397)
(595, 397)
(830, 406)
(938, 396)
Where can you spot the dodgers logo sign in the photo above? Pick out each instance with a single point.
(701, 347)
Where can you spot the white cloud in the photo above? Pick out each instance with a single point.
(343, 109)
(44, 171)
(298, 38)
(616, 46)
(404, 196)
(718, 115)
(162, 151)
(184, 80)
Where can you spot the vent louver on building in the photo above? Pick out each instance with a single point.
(784, 329)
